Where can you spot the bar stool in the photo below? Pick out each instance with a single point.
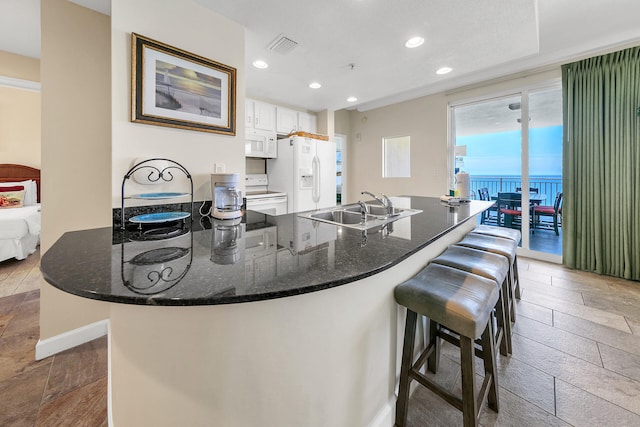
(494, 267)
(507, 233)
(501, 246)
(459, 306)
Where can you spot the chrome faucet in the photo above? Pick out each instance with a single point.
(384, 201)
(390, 209)
(364, 211)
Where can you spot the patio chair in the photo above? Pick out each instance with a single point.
(554, 211)
(509, 209)
(491, 214)
(531, 190)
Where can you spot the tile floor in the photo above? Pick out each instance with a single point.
(576, 359)
(576, 356)
(68, 389)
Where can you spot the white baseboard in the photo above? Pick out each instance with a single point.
(386, 417)
(70, 339)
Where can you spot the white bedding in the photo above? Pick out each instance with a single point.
(19, 232)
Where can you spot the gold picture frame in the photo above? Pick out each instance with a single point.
(175, 88)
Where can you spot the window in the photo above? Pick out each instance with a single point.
(396, 157)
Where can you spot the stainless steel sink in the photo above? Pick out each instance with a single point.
(350, 216)
(376, 210)
(340, 216)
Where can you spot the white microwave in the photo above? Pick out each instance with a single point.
(261, 144)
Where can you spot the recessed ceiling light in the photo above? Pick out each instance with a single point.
(258, 63)
(414, 42)
(315, 85)
(352, 99)
(444, 70)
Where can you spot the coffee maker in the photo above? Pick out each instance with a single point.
(227, 199)
(226, 240)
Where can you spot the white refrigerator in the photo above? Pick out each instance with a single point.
(306, 170)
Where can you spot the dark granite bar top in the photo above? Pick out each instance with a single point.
(210, 262)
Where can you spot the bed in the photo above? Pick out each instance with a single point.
(19, 211)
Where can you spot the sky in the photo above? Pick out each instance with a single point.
(498, 154)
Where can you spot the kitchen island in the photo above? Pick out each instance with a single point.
(275, 321)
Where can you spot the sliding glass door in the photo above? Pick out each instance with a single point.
(516, 159)
(545, 169)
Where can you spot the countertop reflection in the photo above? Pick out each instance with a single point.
(224, 261)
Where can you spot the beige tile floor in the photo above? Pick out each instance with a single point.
(576, 357)
(68, 389)
(20, 276)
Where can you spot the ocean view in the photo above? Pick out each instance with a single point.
(548, 185)
(494, 160)
(499, 154)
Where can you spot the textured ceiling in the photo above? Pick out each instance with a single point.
(467, 35)
(20, 27)
(479, 39)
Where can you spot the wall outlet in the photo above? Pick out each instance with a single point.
(219, 167)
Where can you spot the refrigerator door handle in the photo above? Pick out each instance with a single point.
(315, 192)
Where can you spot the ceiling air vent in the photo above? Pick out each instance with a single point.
(282, 44)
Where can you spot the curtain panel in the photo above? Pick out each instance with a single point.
(601, 160)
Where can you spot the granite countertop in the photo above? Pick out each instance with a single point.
(263, 257)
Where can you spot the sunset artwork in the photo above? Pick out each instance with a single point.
(186, 90)
(175, 88)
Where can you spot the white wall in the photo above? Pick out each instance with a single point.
(425, 120)
(19, 112)
(76, 144)
(188, 26)
(88, 141)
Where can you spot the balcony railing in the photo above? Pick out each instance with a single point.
(549, 186)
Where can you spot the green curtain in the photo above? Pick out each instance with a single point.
(601, 158)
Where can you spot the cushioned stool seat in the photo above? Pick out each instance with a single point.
(507, 233)
(501, 246)
(460, 305)
(492, 266)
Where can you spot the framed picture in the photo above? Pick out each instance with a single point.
(171, 87)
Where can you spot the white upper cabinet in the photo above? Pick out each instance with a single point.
(248, 113)
(260, 115)
(269, 117)
(287, 121)
(265, 116)
(292, 121)
(307, 122)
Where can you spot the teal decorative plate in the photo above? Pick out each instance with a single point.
(154, 218)
(156, 196)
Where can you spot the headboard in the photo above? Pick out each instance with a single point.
(11, 173)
